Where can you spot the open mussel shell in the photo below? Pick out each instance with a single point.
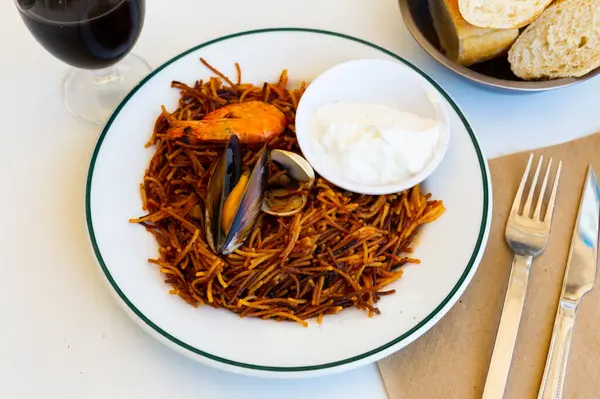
(223, 176)
(246, 204)
(289, 201)
(248, 209)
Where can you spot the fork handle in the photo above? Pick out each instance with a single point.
(508, 329)
(560, 345)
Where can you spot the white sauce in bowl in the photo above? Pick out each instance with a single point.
(373, 144)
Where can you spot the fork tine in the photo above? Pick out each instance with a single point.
(517, 202)
(529, 202)
(550, 209)
(538, 207)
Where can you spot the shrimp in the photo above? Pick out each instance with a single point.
(253, 122)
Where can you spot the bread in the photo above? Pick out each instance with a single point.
(563, 42)
(464, 43)
(501, 14)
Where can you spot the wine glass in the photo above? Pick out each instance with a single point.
(94, 37)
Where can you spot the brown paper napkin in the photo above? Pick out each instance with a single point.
(451, 360)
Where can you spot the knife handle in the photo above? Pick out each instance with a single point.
(556, 364)
(508, 329)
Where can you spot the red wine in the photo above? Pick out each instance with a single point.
(89, 34)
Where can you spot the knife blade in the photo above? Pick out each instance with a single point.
(580, 274)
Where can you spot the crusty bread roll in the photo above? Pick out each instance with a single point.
(501, 14)
(563, 42)
(464, 43)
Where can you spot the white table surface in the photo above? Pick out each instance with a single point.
(62, 334)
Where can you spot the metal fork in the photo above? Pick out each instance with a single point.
(527, 236)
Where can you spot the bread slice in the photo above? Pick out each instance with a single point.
(502, 14)
(464, 43)
(563, 42)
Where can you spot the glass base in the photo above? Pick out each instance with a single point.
(92, 96)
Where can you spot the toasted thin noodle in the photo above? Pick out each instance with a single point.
(217, 72)
(185, 263)
(144, 198)
(222, 280)
(209, 291)
(239, 74)
(286, 316)
(341, 250)
(165, 266)
(187, 248)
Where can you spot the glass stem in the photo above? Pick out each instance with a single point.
(105, 77)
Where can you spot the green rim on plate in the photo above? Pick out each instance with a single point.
(163, 333)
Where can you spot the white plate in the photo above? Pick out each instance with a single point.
(450, 249)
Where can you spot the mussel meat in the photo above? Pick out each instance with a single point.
(234, 198)
(287, 194)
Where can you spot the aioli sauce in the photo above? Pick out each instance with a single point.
(374, 144)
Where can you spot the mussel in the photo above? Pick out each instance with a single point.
(287, 194)
(234, 198)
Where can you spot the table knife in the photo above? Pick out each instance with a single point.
(580, 274)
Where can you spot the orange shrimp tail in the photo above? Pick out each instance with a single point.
(253, 122)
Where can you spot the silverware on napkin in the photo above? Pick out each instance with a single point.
(580, 274)
(527, 235)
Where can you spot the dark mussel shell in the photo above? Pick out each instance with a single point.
(226, 175)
